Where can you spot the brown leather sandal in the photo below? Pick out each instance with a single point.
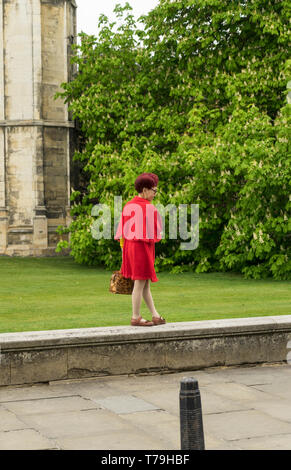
(158, 321)
(141, 322)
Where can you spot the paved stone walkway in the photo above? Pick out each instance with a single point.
(243, 408)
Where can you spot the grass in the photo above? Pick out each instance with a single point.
(57, 293)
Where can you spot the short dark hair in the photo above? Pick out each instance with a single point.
(146, 180)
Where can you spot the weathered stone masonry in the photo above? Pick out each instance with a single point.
(36, 131)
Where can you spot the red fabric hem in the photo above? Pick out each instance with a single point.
(140, 278)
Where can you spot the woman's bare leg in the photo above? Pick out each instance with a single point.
(147, 295)
(136, 297)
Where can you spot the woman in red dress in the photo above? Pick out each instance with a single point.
(138, 230)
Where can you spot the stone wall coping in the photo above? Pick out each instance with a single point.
(34, 340)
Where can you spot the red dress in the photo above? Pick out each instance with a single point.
(140, 225)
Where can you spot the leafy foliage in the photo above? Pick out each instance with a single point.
(197, 96)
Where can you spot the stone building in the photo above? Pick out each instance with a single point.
(36, 131)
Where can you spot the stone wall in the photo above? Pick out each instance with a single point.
(43, 356)
(35, 129)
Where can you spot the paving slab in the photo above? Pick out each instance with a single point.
(213, 403)
(161, 424)
(50, 405)
(88, 388)
(238, 392)
(279, 442)
(166, 399)
(279, 409)
(214, 443)
(124, 404)
(244, 424)
(14, 393)
(26, 439)
(251, 375)
(9, 422)
(277, 389)
(75, 423)
(114, 441)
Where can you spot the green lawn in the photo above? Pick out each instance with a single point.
(57, 293)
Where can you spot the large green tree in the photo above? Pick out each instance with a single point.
(198, 96)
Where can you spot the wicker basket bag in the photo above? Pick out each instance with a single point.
(120, 284)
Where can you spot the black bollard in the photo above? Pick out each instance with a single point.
(191, 424)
